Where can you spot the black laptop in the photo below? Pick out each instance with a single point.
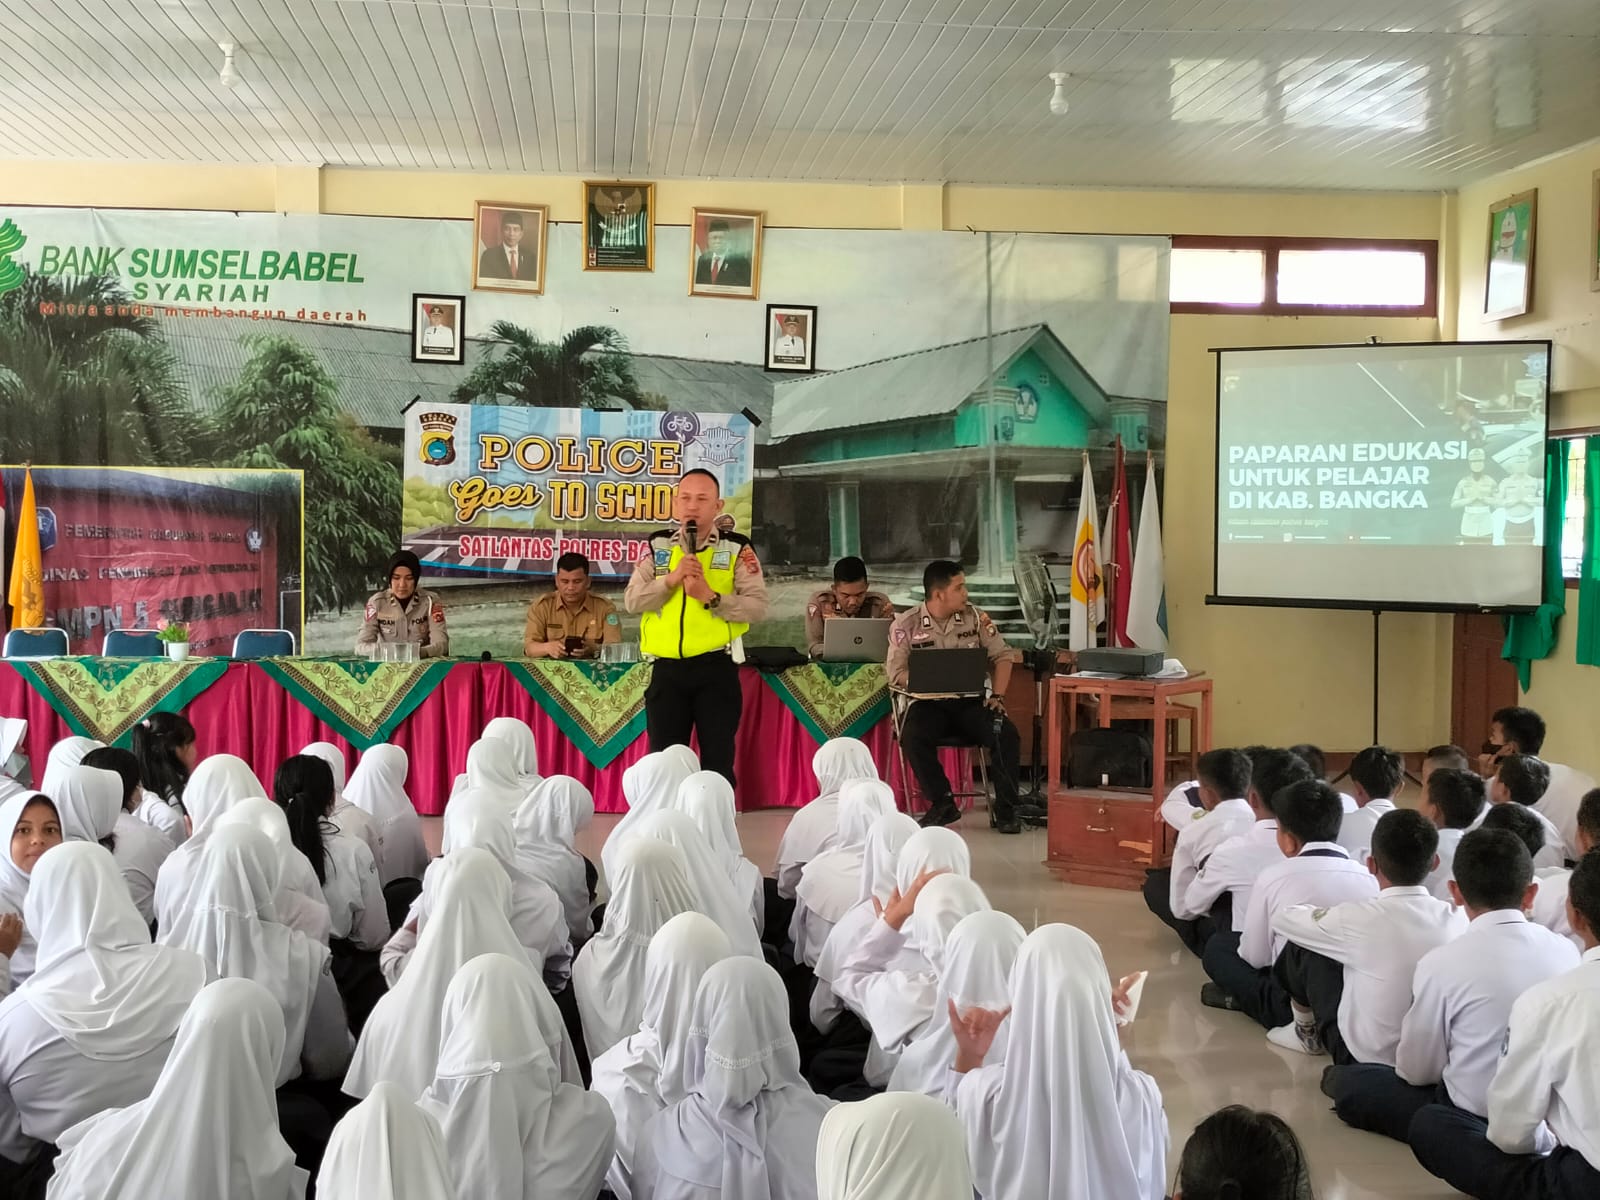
(963, 672)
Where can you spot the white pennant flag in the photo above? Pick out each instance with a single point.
(1147, 594)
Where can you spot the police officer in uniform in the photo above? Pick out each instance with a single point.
(559, 621)
(404, 612)
(848, 597)
(946, 621)
(698, 588)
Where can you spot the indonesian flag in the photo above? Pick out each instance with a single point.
(1119, 556)
(1085, 608)
(1147, 595)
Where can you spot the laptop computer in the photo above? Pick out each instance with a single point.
(963, 672)
(855, 639)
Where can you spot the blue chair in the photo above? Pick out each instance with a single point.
(263, 643)
(133, 643)
(36, 643)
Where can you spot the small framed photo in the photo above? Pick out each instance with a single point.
(1594, 235)
(619, 226)
(725, 253)
(1508, 280)
(509, 242)
(438, 328)
(791, 338)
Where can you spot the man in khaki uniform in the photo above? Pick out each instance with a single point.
(848, 597)
(570, 622)
(946, 621)
(697, 589)
(404, 612)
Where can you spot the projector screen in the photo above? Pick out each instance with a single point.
(1399, 476)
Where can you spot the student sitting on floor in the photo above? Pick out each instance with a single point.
(1222, 885)
(1315, 871)
(1377, 774)
(1550, 905)
(1237, 1153)
(1348, 968)
(1521, 731)
(1444, 758)
(1522, 779)
(1454, 801)
(1462, 994)
(1224, 813)
(1546, 1080)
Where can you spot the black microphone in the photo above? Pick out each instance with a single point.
(691, 532)
(486, 657)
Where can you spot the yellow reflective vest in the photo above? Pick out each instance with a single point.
(685, 627)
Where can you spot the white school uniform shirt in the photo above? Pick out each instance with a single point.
(355, 897)
(1176, 809)
(140, 851)
(1462, 997)
(1319, 879)
(1438, 880)
(1197, 841)
(1379, 943)
(1554, 851)
(1355, 830)
(1550, 903)
(1547, 1074)
(1234, 867)
(830, 884)
(164, 817)
(1563, 794)
(346, 816)
(810, 830)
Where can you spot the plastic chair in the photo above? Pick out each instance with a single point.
(961, 790)
(263, 643)
(133, 643)
(36, 643)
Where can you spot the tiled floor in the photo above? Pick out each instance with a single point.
(1202, 1058)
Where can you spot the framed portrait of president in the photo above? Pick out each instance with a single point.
(619, 226)
(725, 253)
(508, 247)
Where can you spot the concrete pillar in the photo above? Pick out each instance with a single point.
(844, 520)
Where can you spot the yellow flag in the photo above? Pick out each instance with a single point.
(27, 565)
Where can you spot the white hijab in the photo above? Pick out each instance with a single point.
(879, 854)
(648, 785)
(475, 819)
(1064, 1115)
(14, 880)
(386, 1148)
(334, 757)
(900, 1001)
(378, 788)
(683, 756)
(650, 886)
(99, 982)
(642, 1074)
(707, 799)
(210, 1128)
(897, 1146)
(69, 752)
(299, 902)
(748, 1126)
(811, 829)
(88, 801)
(524, 750)
(219, 782)
(978, 956)
(546, 828)
(717, 898)
(831, 882)
(512, 1128)
(470, 901)
(226, 916)
(492, 770)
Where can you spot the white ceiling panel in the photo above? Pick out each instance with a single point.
(1419, 94)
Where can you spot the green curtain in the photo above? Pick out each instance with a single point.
(1533, 635)
(1589, 576)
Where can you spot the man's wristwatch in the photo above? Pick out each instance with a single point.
(716, 599)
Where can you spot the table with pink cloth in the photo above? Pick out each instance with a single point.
(587, 719)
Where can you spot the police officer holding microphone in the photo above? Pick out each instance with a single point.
(698, 588)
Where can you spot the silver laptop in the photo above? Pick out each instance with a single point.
(855, 639)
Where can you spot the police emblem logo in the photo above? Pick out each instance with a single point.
(438, 445)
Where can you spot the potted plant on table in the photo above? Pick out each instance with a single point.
(176, 639)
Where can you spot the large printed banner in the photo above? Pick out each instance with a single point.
(138, 549)
(506, 490)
